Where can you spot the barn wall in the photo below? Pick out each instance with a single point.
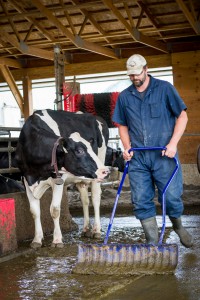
(186, 73)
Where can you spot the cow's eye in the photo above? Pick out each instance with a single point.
(80, 151)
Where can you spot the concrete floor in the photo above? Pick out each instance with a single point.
(46, 273)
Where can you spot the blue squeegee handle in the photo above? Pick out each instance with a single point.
(163, 193)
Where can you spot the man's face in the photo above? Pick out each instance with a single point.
(139, 79)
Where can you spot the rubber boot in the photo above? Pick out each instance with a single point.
(151, 230)
(185, 238)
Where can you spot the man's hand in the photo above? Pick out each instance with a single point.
(126, 155)
(170, 151)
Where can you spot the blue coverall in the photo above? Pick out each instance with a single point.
(151, 123)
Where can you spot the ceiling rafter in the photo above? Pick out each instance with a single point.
(29, 32)
(10, 20)
(68, 19)
(24, 48)
(149, 16)
(76, 40)
(58, 8)
(95, 29)
(83, 25)
(136, 35)
(193, 22)
(128, 14)
(140, 19)
(20, 9)
(92, 21)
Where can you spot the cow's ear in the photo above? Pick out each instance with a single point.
(63, 145)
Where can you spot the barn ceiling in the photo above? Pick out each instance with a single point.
(94, 30)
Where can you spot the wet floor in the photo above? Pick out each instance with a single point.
(47, 273)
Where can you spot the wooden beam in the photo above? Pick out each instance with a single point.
(24, 48)
(13, 87)
(80, 43)
(69, 20)
(10, 20)
(194, 23)
(136, 35)
(76, 40)
(155, 61)
(28, 99)
(10, 62)
(92, 21)
(57, 8)
(149, 15)
(20, 8)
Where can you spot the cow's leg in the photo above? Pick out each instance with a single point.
(35, 210)
(55, 214)
(83, 190)
(96, 198)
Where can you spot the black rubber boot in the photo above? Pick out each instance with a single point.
(151, 230)
(185, 238)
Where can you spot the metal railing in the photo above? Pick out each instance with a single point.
(6, 137)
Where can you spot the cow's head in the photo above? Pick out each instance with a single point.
(80, 158)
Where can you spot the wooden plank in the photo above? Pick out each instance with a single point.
(186, 59)
(10, 62)
(24, 48)
(188, 155)
(194, 23)
(13, 87)
(28, 100)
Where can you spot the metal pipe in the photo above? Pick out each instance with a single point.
(9, 170)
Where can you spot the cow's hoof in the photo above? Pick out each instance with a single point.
(36, 245)
(59, 245)
(96, 235)
(86, 234)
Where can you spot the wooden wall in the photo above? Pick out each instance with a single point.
(186, 74)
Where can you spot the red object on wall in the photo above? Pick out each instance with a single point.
(8, 240)
(69, 90)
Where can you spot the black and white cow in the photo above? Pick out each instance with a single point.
(57, 148)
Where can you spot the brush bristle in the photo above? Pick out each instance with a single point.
(126, 259)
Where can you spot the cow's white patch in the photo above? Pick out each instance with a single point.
(102, 150)
(77, 138)
(50, 122)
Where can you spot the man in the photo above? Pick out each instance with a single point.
(150, 113)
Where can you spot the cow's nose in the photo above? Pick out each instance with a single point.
(106, 172)
(102, 173)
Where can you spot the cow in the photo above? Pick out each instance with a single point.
(8, 185)
(114, 158)
(57, 148)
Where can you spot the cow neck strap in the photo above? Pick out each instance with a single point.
(54, 161)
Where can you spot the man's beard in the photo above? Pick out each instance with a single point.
(139, 82)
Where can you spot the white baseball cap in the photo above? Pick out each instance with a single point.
(135, 64)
